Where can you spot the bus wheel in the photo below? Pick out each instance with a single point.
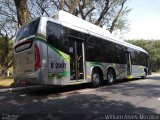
(96, 78)
(110, 76)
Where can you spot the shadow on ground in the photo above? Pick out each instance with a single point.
(47, 90)
(42, 105)
(156, 77)
(150, 89)
(80, 106)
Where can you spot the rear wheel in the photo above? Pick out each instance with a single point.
(110, 76)
(96, 78)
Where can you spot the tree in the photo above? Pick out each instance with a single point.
(8, 21)
(22, 11)
(6, 53)
(39, 8)
(109, 13)
(8, 29)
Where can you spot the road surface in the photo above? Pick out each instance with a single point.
(138, 98)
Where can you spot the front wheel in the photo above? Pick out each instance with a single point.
(110, 77)
(96, 78)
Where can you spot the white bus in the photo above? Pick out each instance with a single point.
(66, 50)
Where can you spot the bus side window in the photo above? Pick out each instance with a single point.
(90, 49)
(91, 43)
(56, 36)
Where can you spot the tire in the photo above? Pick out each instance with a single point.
(96, 79)
(110, 76)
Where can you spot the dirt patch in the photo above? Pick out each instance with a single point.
(5, 83)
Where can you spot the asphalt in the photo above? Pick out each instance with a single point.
(132, 99)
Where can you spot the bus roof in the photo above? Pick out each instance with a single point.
(76, 23)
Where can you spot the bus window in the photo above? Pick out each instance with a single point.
(27, 30)
(55, 36)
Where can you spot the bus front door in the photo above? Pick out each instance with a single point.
(76, 60)
(129, 66)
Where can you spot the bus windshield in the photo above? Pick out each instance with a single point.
(27, 30)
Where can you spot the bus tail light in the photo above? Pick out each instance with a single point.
(37, 58)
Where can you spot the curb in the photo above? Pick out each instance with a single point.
(19, 88)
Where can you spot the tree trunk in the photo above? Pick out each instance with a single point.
(104, 11)
(72, 6)
(116, 18)
(22, 11)
(62, 5)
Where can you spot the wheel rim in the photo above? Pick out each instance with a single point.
(96, 79)
(110, 77)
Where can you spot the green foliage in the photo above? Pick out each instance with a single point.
(114, 15)
(6, 53)
(153, 48)
(110, 14)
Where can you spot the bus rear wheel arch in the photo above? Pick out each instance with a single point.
(111, 76)
(97, 77)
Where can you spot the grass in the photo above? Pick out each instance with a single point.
(5, 82)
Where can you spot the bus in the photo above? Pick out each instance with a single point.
(66, 50)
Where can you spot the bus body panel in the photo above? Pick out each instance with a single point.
(24, 62)
(54, 67)
(137, 71)
(58, 67)
(120, 69)
(43, 70)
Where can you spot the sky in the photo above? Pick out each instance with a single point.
(144, 19)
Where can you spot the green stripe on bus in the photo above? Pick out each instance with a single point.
(88, 76)
(61, 54)
(130, 77)
(59, 75)
(63, 74)
(41, 35)
(93, 63)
